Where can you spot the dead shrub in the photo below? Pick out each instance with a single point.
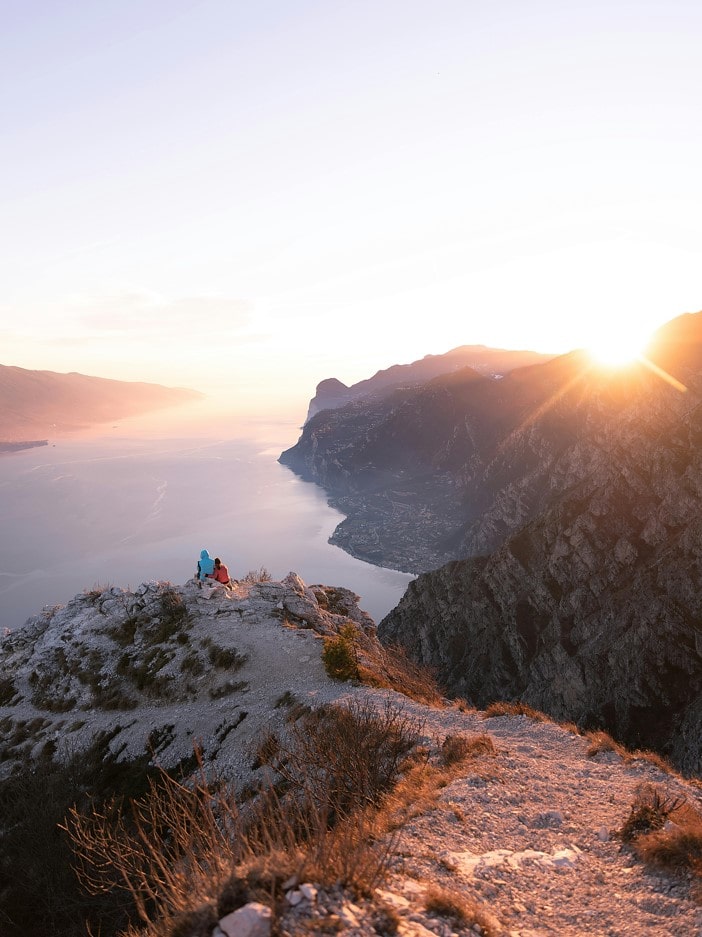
(346, 757)
(650, 809)
(457, 748)
(166, 850)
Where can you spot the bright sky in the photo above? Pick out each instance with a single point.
(254, 196)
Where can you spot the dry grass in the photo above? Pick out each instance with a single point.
(188, 850)
(603, 742)
(456, 749)
(653, 758)
(515, 709)
(665, 831)
(257, 575)
(460, 910)
(391, 668)
(427, 773)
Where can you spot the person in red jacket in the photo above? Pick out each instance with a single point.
(220, 573)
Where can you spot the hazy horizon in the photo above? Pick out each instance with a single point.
(246, 199)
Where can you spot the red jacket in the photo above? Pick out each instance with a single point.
(221, 574)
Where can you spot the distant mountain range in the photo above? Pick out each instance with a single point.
(571, 497)
(332, 393)
(46, 403)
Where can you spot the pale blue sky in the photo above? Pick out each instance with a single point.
(256, 196)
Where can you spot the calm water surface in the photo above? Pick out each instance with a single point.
(138, 501)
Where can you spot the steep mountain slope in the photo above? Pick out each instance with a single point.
(590, 606)
(332, 393)
(45, 402)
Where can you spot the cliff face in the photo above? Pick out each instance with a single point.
(592, 610)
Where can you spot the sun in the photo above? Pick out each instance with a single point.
(616, 349)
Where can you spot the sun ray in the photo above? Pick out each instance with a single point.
(663, 375)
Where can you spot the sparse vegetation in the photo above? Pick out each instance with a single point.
(665, 831)
(316, 822)
(226, 658)
(94, 594)
(455, 749)
(228, 688)
(391, 668)
(515, 709)
(258, 575)
(460, 910)
(8, 691)
(287, 699)
(649, 811)
(603, 742)
(174, 616)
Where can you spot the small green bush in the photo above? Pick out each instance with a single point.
(339, 656)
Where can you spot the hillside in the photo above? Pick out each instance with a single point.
(40, 404)
(498, 824)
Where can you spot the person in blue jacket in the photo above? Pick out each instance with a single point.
(205, 566)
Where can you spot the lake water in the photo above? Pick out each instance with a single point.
(124, 504)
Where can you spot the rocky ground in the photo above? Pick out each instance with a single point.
(518, 838)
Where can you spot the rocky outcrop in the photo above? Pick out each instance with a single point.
(163, 666)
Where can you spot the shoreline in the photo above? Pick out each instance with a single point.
(11, 445)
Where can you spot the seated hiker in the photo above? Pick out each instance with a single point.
(205, 566)
(221, 573)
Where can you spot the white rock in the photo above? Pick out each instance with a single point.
(309, 892)
(253, 920)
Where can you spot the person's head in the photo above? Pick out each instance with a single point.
(218, 562)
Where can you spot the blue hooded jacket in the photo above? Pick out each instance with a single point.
(206, 564)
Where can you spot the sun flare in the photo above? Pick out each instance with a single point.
(617, 351)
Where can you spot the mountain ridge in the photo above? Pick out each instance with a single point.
(332, 393)
(48, 403)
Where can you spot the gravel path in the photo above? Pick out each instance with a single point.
(527, 832)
